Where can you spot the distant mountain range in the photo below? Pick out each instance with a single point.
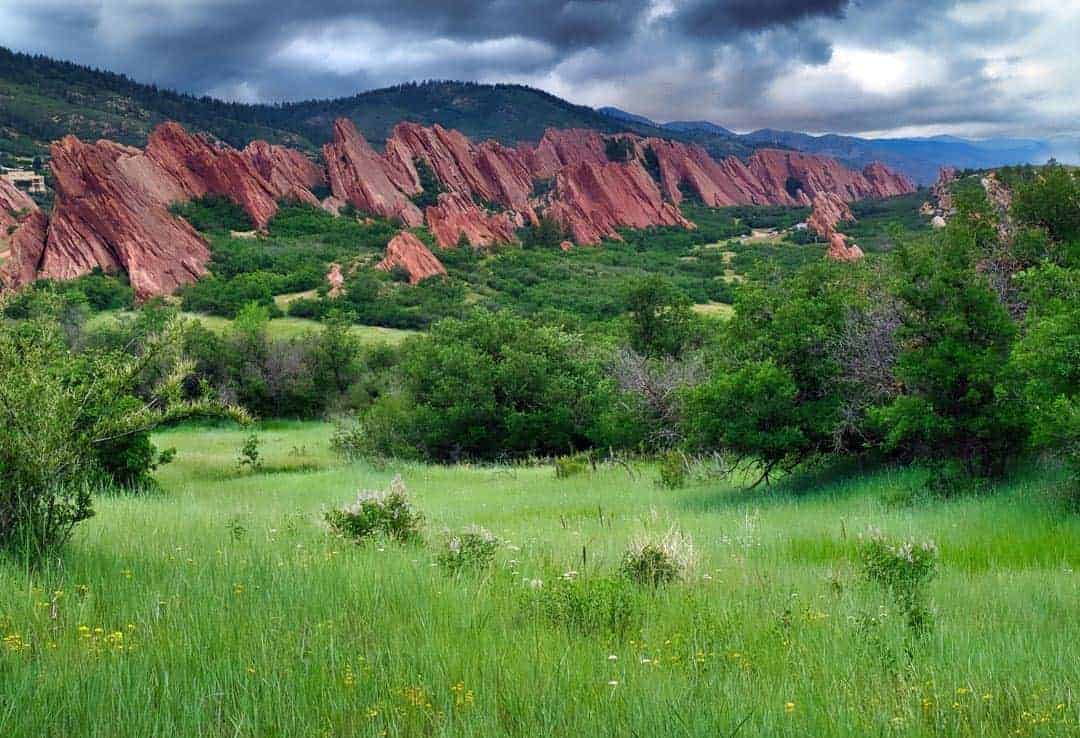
(42, 99)
(919, 158)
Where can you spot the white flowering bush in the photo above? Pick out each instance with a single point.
(902, 567)
(656, 560)
(387, 513)
(472, 549)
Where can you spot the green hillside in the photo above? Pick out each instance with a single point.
(42, 99)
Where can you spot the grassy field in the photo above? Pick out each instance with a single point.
(277, 328)
(222, 607)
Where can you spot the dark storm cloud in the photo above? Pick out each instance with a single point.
(743, 63)
(725, 19)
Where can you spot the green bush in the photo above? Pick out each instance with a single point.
(213, 213)
(571, 466)
(589, 604)
(653, 561)
(673, 469)
(904, 569)
(488, 387)
(388, 513)
(471, 550)
(71, 422)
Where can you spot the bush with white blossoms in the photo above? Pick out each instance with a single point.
(472, 549)
(902, 567)
(387, 513)
(656, 560)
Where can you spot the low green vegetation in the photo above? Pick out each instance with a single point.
(573, 504)
(787, 624)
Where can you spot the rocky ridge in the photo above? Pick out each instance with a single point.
(112, 202)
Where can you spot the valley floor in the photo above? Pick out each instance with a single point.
(222, 606)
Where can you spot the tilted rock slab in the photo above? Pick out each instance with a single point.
(407, 251)
(360, 176)
(456, 215)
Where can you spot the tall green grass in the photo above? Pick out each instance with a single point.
(239, 615)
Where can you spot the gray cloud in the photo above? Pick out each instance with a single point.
(979, 66)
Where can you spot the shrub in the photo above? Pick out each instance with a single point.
(589, 604)
(904, 569)
(570, 466)
(213, 213)
(59, 410)
(661, 322)
(674, 470)
(249, 456)
(655, 560)
(386, 513)
(488, 387)
(472, 549)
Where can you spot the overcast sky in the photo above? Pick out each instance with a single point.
(909, 67)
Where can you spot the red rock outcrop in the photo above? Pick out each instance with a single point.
(358, 175)
(22, 236)
(103, 218)
(291, 175)
(200, 168)
(717, 184)
(456, 215)
(407, 251)
(593, 201)
(488, 170)
(335, 280)
(841, 250)
(829, 211)
(886, 182)
(778, 170)
(561, 147)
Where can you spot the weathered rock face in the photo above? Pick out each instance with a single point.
(829, 211)
(335, 280)
(201, 169)
(456, 215)
(103, 218)
(358, 175)
(407, 251)
(488, 171)
(593, 200)
(22, 236)
(561, 147)
(886, 182)
(291, 175)
(940, 204)
(794, 178)
(841, 250)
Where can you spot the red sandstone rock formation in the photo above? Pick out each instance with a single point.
(841, 250)
(886, 182)
(488, 170)
(22, 236)
(200, 168)
(561, 147)
(409, 252)
(291, 175)
(456, 215)
(829, 211)
(593, 200)
(104, 218)
(336, 280)
(810, 174)
(360, 176)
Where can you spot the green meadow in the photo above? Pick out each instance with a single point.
(222, 606)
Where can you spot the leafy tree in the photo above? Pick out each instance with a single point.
(662, 320)
(486, 387)
(60, 409)
(958, 404)
(1051, 201)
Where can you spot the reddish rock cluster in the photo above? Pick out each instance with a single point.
(408, 252)
(112, 202)
(456, 216)
(592, 201)
(360, 176)
(22, 235)
(829, 211)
